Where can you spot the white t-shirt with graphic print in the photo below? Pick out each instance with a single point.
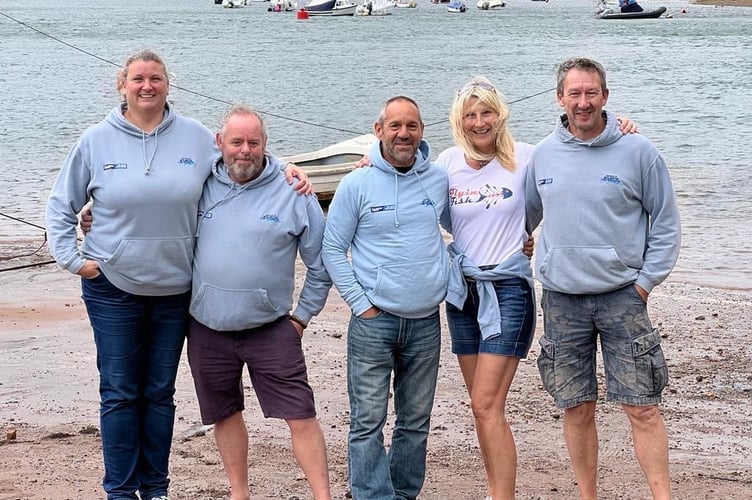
(487, 206)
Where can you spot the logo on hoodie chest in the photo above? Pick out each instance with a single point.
(187, 162)
(114, 166)
(382, 208)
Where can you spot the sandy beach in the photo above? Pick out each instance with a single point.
(50, 444)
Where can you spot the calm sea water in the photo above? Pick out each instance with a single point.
(685, 80)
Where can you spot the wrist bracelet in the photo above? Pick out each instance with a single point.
(299, 321)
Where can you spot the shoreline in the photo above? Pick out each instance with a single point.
(724, 3)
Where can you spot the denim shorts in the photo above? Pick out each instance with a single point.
(636, 371)
(275, 360)
(517, 308)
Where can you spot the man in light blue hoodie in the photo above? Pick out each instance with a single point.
(252, 225)
(388, 217)
(611, 234)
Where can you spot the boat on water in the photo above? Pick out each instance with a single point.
(610, 11)
(374, 8)
(456, 6)
(330, 8)
(409, 4)
(490, 4)
(234, 4)
(326, 167)
(283, 6)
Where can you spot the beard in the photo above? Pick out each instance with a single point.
(241, 174)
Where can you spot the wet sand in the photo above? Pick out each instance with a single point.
(50, 445)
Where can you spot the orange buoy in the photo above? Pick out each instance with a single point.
(302, 14)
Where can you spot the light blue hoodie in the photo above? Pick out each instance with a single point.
(611, 217)
(145, 190)
(248, 239)
(489, 315)
(390, 222)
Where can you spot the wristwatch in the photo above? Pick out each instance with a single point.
(299, 321)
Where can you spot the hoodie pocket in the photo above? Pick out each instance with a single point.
(412, 286)
(232, 310)
(154, 261)
(584, 269)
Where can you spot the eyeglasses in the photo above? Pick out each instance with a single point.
(576, 95)
(479, 85)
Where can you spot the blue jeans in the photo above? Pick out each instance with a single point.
(376, 347)
(139, 341)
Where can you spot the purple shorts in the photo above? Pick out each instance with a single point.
(276, 363)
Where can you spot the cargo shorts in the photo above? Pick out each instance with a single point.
(634, 363)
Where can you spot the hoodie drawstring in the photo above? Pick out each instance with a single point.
(147, 161)
(433, 204)
(425, 192)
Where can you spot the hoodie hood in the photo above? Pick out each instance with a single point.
(225, 189)
(422, 159)
(610, 134)
(117, 120)
(420, 167)
(271, 168)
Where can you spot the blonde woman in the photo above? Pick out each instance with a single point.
(490, 305)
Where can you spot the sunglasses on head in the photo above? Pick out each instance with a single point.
(479, 85)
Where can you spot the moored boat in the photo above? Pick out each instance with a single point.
(326, 167)
(456, 6)
(331, 8)
(490, 4)
(607, 10)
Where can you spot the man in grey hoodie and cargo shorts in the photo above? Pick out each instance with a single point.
(388, 217)
(251, 227)
(611, 233)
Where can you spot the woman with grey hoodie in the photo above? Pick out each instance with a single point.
(143, 169)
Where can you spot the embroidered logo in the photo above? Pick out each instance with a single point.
(114, 166)
(547, 180)
(613, 179)
(382, 208)
(188, 162)
(270, 218)
(427, 202)
(488, 195)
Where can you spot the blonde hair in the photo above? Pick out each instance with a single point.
(141, 55)
(482, 89)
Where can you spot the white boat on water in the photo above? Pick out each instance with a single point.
(456, 6)
(283, 6)
(410, 4)
(234, 4)
(490, 4)
(374, 8)
(331, 8)
(326, 167)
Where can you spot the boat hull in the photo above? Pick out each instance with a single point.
(645, 14)
(326, 167)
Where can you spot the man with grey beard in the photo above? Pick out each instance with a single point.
(251, 227)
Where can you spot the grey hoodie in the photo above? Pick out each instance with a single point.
(248, 238)
(390, 223)
(145, 190)
(611, 217)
